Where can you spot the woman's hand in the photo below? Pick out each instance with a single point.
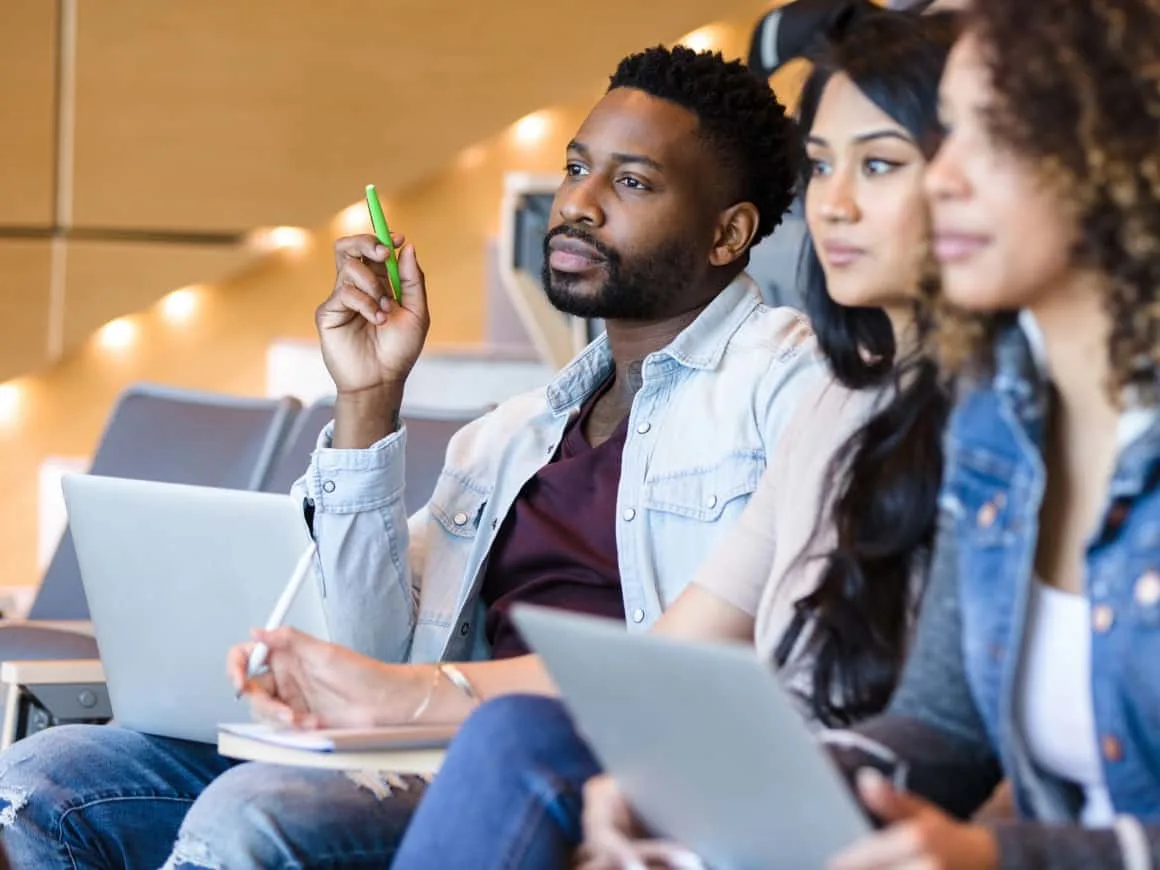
(614, 838)
(918, 836)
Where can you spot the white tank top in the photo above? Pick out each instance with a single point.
(1056, 704)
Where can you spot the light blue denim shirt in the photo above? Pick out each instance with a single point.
(712, 407)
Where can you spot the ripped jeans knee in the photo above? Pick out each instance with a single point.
(87, 795)
(14, 794)
(260, 815)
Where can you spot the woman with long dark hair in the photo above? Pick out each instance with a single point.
(826, 566)
(1036, 656)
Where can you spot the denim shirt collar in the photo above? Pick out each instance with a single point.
(1023, 381)
(701, 345)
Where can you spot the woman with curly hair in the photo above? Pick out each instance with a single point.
(1038, 650)
(1038, 656)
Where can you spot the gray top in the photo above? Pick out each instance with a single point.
(934, 727)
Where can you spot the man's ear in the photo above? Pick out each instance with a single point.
(736, 228)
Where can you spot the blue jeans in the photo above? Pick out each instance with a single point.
(102, 797)
(508, 794)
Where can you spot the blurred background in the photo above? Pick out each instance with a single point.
(172, 176)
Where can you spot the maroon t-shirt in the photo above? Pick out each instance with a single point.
(557, 546)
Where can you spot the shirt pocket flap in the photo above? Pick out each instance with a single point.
(979, 487)
(457, 504)
(704, 493)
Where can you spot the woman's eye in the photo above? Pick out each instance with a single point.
(878, 166)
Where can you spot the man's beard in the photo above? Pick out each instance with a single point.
(648, 287)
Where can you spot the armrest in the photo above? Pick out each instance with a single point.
(76, 626)
(60, 677)
(52, 673)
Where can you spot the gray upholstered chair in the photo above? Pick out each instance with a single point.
(428, 433)
(153, 433)
(294, 456)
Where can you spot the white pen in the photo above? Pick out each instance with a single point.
(301, 571)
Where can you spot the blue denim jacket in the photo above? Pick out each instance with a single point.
(952, 723)
(994, 485)
(712, 406)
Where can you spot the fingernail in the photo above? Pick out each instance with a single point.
(380, 317)
(869, 777)
(384, 301)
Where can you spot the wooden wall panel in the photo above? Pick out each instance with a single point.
(215, 114)
(27, 111)
(105, 280)
(25, 267)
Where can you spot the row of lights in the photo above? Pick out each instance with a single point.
(177, 309)
(180, 307)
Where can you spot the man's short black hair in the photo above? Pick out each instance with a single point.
(738, 114)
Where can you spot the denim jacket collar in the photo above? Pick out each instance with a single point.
(1021, 378)
(699, 346)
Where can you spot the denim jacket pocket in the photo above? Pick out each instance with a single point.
(980, 488)
(457, 504)
(705, 493)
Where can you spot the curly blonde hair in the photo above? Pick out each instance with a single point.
(1077, 95)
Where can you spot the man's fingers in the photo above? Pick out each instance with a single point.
(364, 246)
(349, 300)
(370, 278)
(237, 661)
(357, 247)
(282, 639)
(413, 283)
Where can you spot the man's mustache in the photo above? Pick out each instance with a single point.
(580, 235)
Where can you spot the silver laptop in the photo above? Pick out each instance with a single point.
(707, 746)
(175, 575)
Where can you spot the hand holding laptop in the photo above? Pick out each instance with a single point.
(615, 837)
(917, 832)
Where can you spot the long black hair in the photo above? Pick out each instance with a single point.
(885, 479)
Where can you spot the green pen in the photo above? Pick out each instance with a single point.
(384, 234)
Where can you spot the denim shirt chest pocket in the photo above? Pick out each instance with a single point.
(689, 508)
(984, 493)
(705, 493)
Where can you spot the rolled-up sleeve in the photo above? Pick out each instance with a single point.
(354, 499)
